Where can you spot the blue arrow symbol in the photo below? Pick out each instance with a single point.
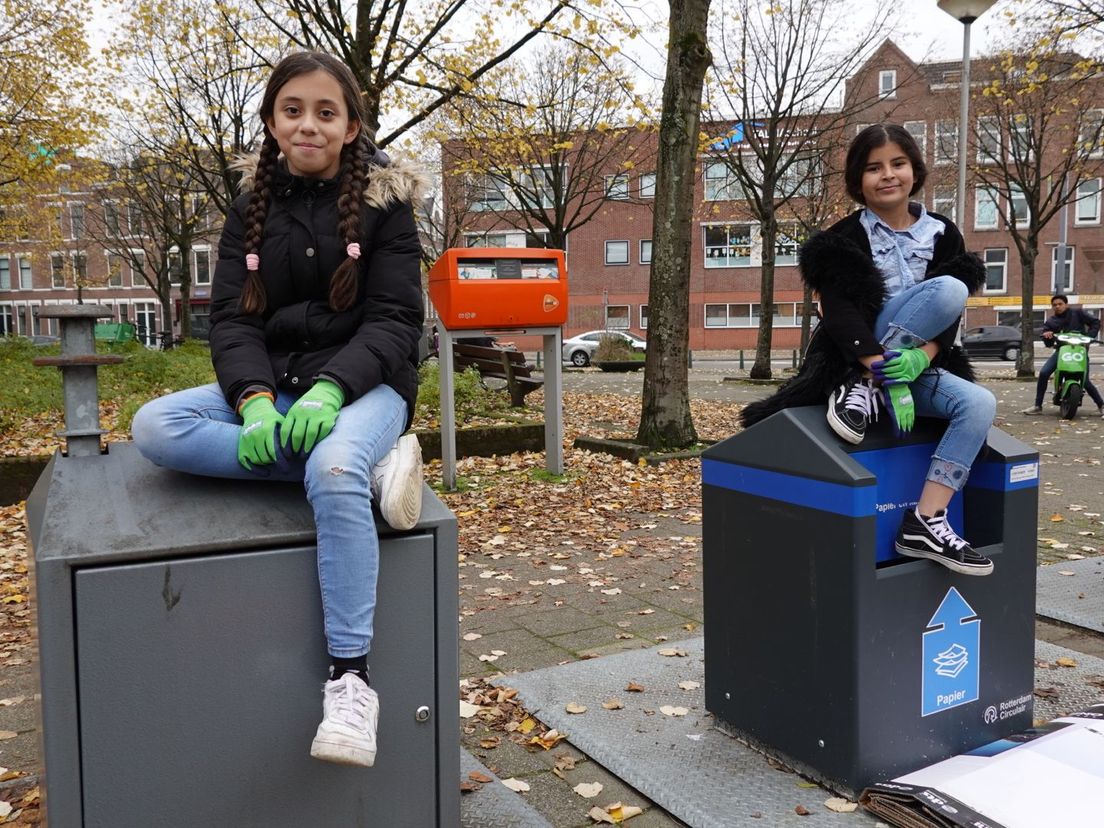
(952, 611)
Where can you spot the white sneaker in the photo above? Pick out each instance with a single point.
(347, 735)
(397, 483)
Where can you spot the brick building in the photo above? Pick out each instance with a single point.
(608, 258)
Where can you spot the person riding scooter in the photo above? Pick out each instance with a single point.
(1065, 319)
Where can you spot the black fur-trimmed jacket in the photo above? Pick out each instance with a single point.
(838, 265)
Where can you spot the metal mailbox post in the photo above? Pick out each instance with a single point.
(824, 646)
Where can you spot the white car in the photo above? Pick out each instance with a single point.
(579, 349)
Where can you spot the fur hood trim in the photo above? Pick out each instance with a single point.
(397, 179)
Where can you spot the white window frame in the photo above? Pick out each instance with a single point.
(112, 217)
(946, 138)
(77, 230)
(617, 187)
(110, 259)
(919, 132)
(1071, 252)
(135, 224)
(57, 257)
(505, 238)
(7, 319)
(617, 263)
(988, 150)
(746, 314)
(485, 183)
(535, 182)
(1019, 133)
(621, 322)
(136, 278)
(74, 257)
(945, 202)
(1087, 206)
(204, 249)
(981, 194)
(1092, 132)
(989, 258)
(4, 257)
(647, 185)
(1016, 194)
(717, 187)
(648, 258)
(786, 245)
(20, 258)
(722, 255)
(887, 84)
(644, 317)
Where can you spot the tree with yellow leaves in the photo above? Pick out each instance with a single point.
(1038, 132)
(45, 109)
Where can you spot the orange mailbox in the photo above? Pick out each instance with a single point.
(499, 287)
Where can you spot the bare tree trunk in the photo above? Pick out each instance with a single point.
(1025, 365)
(806, 321)
(665, 420)
(761, 368)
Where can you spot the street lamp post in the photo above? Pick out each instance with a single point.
(966, 12)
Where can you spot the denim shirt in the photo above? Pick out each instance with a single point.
(902, 256)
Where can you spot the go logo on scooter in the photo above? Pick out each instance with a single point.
(1072, 372)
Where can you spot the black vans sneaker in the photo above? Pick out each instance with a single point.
(851, 406)
(934, 539)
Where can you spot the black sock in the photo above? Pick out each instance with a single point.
(358, 666)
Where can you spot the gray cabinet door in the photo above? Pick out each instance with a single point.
(200, 686)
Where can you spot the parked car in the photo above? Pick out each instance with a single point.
(578, 350)
(992, 341)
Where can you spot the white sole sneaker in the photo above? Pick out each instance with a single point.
(331, 748)
(397, 483)
(350, 715)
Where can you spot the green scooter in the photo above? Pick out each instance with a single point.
(1072, 372)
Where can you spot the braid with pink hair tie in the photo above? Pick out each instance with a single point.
(353, 250)
(252, 261)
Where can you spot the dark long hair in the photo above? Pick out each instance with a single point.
(351, 175)
(874, 136)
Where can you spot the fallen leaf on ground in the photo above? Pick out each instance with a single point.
(840, 806)
(588, 790)
(7, 734)
(613, 704)
(469, 787)
(669, 710)
(689, 685)
(565, 762)
(1046, 692)
(5, 809)
(489, 743)
(549, 740)
(515, 785)
(1065, 572)
(614, 814)
(801, 810)
(472, 636)
(670, 652)
(467, 709)
(1065, 662)
(479, 776)
(633, 687)
(527, 725)
(1056, 518)
(574, 707)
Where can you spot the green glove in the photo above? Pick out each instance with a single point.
(901, 407)
(901, 366)
(312, 416)
(257, 441)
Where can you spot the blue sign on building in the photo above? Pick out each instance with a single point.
(951, 656)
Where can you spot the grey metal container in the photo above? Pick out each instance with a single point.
(182, 655)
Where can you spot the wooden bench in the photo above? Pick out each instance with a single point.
(500, 363)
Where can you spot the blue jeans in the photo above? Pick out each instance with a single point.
(910, 319)
(196, 431)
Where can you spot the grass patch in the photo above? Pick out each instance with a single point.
(545, 476)
(472, 399)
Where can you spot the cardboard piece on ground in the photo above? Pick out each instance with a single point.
(1047, 776)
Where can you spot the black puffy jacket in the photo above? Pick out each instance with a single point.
(299, 337)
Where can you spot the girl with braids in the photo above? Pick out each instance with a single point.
(315, 320)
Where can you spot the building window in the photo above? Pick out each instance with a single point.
(728, 245)
(996, 269)
(919, 132)
(647, 185)
(57, 270)
(489, 194)
(887, 83)
(800, 177)
(746, 315)
(945, 202)
(1019, 139)
(513, 238)
(645, 251)
(21, 320)
(1018, 212)
(534, 187)
(1088, 202)
(985, 209)
(176, 266)
(1061, 282)
(76, 220)
(6, 318)
(145, 323)
(201, 266)
(134, 219)
(26, 277)
(721, 183)
(111, 217)
(988, 139)
(786, 243)
(137, 265)
(617, 317)
(1091, 135)
(946, 142)
(617, 187)
(644, 317)
(80, 268)
(617, 252)
(114, 271)
(5, 272)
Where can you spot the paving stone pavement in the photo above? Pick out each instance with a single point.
(577, 623)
